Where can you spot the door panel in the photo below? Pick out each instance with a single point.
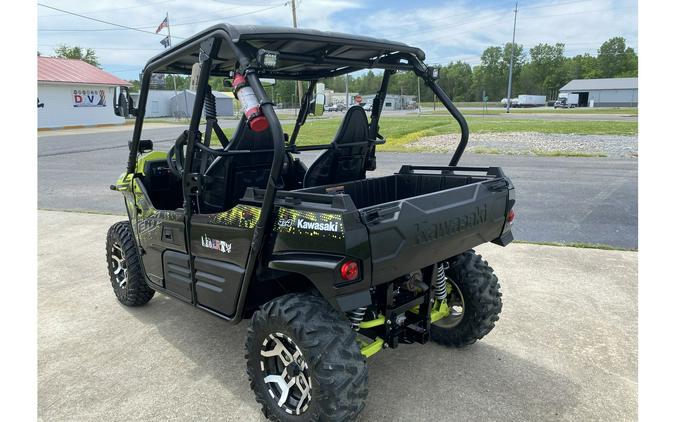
(177, 274)
(220, 244)
(218, 284)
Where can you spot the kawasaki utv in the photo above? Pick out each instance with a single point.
(330, 266)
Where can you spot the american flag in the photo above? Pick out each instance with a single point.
(164, 24)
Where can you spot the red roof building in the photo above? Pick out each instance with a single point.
(73, 93)
(53, 69)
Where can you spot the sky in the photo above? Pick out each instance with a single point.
(446, 30)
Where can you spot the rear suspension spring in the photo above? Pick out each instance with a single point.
(356, 317)
(441, 290)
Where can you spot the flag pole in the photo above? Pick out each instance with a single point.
(173, 75)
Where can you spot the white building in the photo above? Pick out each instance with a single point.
(75, 93)
(608, 92)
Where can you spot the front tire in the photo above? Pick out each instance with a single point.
(303, 361)
(124, 266)
(482, 301)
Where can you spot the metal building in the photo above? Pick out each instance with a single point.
(607, 92)
(75, 93)
(181, 105)
(159, 102)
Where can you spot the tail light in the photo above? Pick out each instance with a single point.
(511, 216)
(349, 271)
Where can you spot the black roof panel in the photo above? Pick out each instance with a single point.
(304, 53)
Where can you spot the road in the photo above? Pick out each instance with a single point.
(564, 348)
(559, 199)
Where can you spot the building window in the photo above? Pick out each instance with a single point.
(387, 104)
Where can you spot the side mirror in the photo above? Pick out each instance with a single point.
(318, 104)
(124, 104)
(144, 145)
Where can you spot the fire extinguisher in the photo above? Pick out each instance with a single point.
(249, 104)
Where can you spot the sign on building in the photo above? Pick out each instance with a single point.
(89, 98)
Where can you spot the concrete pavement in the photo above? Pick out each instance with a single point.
(565, 347)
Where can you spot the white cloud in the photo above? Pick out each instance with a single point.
(449, 30)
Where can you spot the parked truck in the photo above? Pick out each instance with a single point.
(567, 101)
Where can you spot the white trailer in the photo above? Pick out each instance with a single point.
(531, 100)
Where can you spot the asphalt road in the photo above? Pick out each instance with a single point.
(564, 348)
(559, 199)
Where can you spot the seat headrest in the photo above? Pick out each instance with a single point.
(244, 138)
(354, 127)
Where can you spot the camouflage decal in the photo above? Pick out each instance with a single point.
(309, 223)
(243, 216)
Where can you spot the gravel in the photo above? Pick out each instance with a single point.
(534, 143)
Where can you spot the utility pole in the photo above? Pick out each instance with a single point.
(175, 92)
(347, 90)
(513, 48)
(295, 25)
(419, 99)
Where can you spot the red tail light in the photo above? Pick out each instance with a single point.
(349, 271)
(511, 216)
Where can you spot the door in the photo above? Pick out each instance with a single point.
(220, 244)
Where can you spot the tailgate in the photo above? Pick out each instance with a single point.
(413, 233)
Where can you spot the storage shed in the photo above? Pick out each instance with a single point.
(75, 93)
(183, 102)
(159, 102)
(607, 92)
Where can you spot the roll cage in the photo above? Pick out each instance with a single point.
(305, 55)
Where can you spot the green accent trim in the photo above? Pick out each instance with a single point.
(150, 156)
(440, 312)
(369, 349)
(373, 322)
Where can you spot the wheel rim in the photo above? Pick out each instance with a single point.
(286, 373)
(456, 304)
(119, 266)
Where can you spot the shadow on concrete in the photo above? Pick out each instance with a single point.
(414, 382)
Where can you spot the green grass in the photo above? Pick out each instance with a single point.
(400, 131)
(578, 245)
(538, 153)
(544, 153)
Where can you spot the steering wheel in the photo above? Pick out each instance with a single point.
(176, 156)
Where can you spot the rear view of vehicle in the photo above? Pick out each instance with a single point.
(330, 266)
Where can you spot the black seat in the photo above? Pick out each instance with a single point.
(344, 162)
(229, 176)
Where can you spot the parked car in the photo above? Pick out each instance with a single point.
(336, 107)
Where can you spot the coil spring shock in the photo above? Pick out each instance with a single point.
(209, 105)
(356, 316)
(441, 291)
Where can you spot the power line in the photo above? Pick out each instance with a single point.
(99, 20)
(112, 9)
(142, 28)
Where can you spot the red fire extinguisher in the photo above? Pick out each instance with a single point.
(249, 104)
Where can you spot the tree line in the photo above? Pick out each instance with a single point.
(543, 70)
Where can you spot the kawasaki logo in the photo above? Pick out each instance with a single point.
(428, 232)
(311, 225)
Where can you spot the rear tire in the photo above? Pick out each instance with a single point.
(479, 288)
(124, 266)
(319, 348)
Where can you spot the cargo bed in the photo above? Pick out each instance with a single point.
(426, 214)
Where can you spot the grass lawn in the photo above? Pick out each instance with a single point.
(401, 130)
